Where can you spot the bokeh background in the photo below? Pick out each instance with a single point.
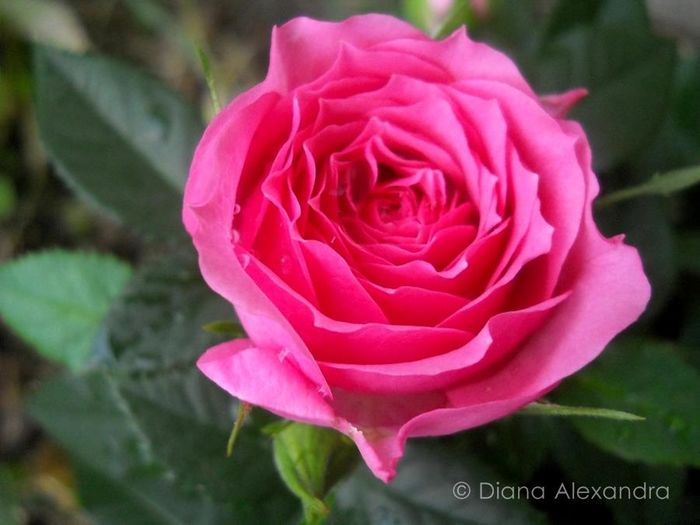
(37, 211)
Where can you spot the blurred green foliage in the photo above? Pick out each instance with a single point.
(145, 434)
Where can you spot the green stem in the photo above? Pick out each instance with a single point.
(552, 409)
(621, 195)
(209, 78)
(666, 184)
(243, 411)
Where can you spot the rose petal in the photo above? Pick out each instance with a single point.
(207, 213)
(300, 37)
(464, 59)
(562, 190)
(497, 339)
(560, 104)
(236, 366)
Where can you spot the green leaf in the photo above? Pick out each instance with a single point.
(649, 379)
(88, 415)
(276, 426)
(157, 324)
(627, 70)
(637, 98)
(516, 446)
(151, 426)
(9, 499)
(678, 142)
(155, 337)
(422, 493)
(117, 137)
(552, 409)
(589, 466)
(120, 479)
(690, 336)
(687, 105)
(646, 223)
(310, 460)
(606, 46)
(666, 184)
(186, 420)
(8, 197)
(143, 499)
(568, 15)
(57, 300)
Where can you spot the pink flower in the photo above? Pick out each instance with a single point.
(440, 8)
(405, 231)
(480, 7)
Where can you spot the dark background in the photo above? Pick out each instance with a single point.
(37, 211)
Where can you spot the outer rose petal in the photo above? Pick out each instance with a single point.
(318, 44)
(209, 203)
(236, 367)
(466, 59)
(560, 104)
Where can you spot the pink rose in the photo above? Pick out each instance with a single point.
(440, 8)
(405, 231)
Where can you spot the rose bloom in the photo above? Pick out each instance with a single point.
(405, 231)
(441, 8)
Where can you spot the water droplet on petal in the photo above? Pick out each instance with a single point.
(283, 354)
(235, 236)
(354, 430)
(285, 264)
(244, 259)
(236, 209)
